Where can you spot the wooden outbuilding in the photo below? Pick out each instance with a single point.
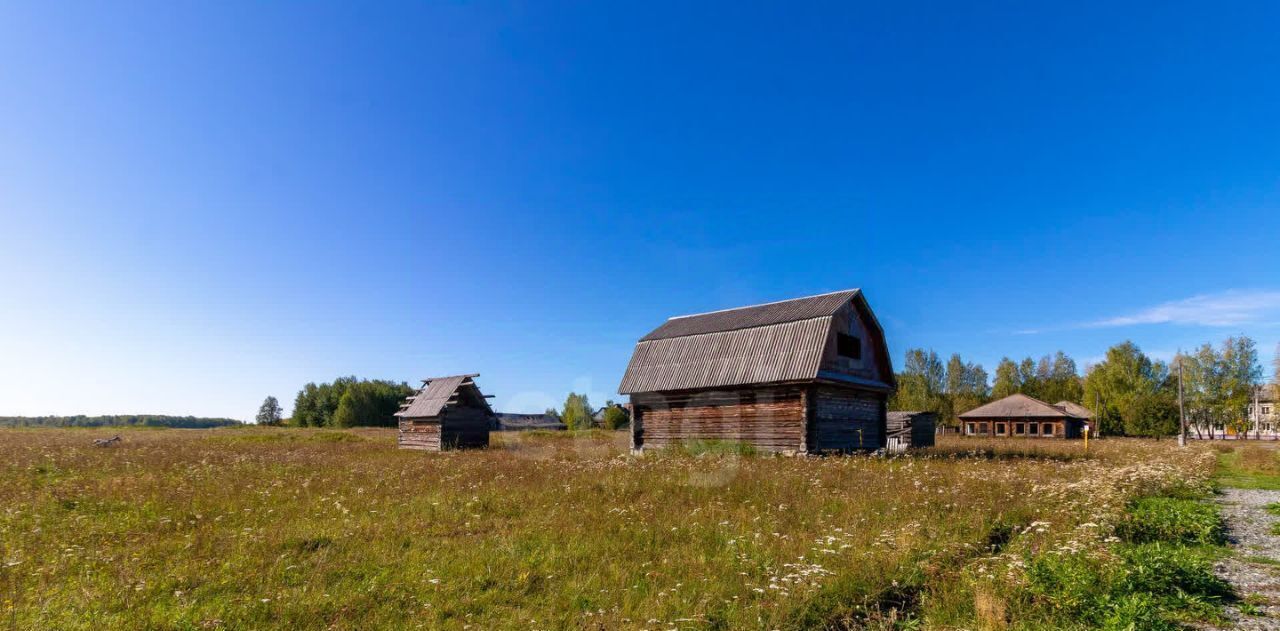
(1021, 416)
(446, 413)
(908, 430)
(806, 375)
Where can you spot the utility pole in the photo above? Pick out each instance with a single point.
(1182, 416)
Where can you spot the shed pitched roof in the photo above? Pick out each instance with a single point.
(772, 342)
(438, 392)
(1019, 406)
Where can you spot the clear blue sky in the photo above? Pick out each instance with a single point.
(205, 203)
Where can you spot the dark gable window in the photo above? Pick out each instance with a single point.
(848, 346)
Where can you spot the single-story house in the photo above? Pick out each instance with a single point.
(1019, 415)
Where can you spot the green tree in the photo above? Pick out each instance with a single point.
(577, 412)
(269, 412)
(1028, 377)
(921, 384)
(966, 387)
(1008, 379)
(1242, 374)
(1058, 380)
(1153, 416)
(305, 413)
(1127, 386)
(615, 416)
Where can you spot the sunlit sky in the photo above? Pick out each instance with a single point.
(205, 203)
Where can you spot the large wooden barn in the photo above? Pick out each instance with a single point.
(1022, 416)
(799, 376)
(446, 413)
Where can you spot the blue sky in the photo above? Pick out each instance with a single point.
(205, 203)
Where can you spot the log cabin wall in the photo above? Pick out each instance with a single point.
(465, 427)
(924, 429)
(845, 419)
(419, 433)
(769, 419)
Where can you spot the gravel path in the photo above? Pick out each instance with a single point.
(1254, 568)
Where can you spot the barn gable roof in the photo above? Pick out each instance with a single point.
(1017, 406)
(752, 316)
(439, 392)
(772, 342)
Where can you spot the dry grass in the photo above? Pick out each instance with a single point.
(286, 528)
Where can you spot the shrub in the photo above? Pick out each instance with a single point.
(1172, 520)
(1128, 591)
(1173, 573)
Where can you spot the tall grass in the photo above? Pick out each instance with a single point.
(288, 528)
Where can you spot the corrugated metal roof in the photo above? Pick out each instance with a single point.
(776, 352)
(434, 396)
(1019, 406)
(753, 316)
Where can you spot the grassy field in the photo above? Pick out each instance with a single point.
(1248, 464)
(285, 528)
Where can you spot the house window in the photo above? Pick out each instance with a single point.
(848, 346)
(984, 428)
(1031, 428)
(1001, 429)
(1266, 409)
(970, 429)
(1047, 430)
(1019, 429)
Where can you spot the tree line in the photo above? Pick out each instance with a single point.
(1129, 392)
(347, 402)
(117, 420)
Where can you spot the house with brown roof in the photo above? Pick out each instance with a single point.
(446, 413)
(798, 376)
(1019, 415)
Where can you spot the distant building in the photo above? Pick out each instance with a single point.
(446, 413)
(907, 430)
(1264, 411)
(800, 376)
(508, 422)
(1019, 415)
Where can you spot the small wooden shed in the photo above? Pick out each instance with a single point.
(797, 376)
(907, 430)
(446, 413)
(1021, 416)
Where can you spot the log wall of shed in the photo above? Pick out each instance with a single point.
(769, 419)
(419, 433)
(844, 419)
(465, 427)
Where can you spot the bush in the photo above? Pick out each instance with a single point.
(1130, 593)
(1175, 574)
(615, 417)
(1172, 520)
